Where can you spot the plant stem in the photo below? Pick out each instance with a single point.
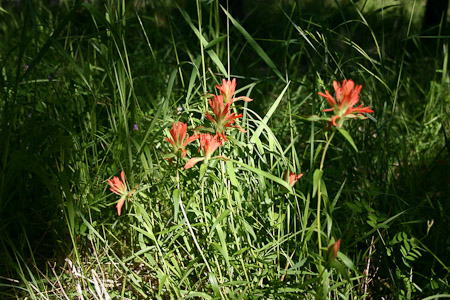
(199, 15)
(203, 202)
(319, 196)
(189, 224)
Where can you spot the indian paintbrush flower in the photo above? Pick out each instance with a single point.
(227, 90)
(347, 95)
(119, 187)
(333, 249)
(208, 145)
(223, 117)
(292, 178)
(179, 139)
(221, 107)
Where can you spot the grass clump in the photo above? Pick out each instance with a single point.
(283, 200)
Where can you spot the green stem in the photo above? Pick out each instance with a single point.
(203, 202)
(319, 201)
(189, 223)
(199, 14)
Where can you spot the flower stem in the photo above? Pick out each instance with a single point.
(319, 196)
(189, 223)
(203, 202)
(193, 236)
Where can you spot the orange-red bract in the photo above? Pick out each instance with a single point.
(347, 95)
(180, 139)
(223, 117)
(227, 90)
(119, 187)
(292, 177)
(221, 107)
(334, 249)
(208, 144)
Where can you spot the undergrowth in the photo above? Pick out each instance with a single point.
(91, 89)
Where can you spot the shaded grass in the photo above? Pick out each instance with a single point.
(129, 65)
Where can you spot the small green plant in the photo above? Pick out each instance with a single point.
(288, 196)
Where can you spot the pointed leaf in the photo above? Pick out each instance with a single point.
(348, 138)
(316, 179)
(176, 203)
(255, 46)
(268, 115)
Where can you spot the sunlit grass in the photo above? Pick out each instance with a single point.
(91, 89)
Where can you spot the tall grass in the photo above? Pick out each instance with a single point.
(91, 88)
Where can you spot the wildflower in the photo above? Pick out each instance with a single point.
(333, 249)
(135, 127)
(292, 177)
(223, 117)
(179, 139)
(220, 106)
(119, 187)
(208, 144)
(347, 96)
(227, 90)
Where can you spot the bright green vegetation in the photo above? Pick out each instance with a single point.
(77, 76)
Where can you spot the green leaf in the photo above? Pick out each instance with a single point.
(162, 282)
(336, 198)
(249, 229)
(203, 168)
(231, 174)
(255, 46)
(218, 220)
(214, 283)
(316, 178)
(176, 196)
(215, 41)
(205, 43)
(264, 174)
(347, 261)
(172, 77)
(438, 296)
(338, 266)
(348, 138)
(298, 265)
(268, 115)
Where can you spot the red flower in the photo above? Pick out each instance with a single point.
(223, 117)
(220, 106)
(227, 90)
(347, 96)
(179, 139)
(119, 187)
(334, 249)
(292, 177)
(208, 144)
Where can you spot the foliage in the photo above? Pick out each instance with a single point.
(91, 88)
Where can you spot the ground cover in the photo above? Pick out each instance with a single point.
(194, 149)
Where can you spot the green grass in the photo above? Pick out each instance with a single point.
(78, 76)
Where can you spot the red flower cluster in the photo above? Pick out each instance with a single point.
(208, 144)
(333, 249)
(179, 139)
(292, 178)
(222, 118)
(347, 96)
(220, 106)
(119, 187)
